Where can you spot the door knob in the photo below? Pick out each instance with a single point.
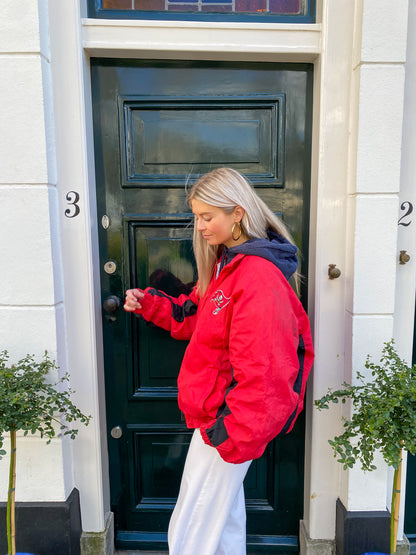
(333, 271)
(111, 303)
(404, 257)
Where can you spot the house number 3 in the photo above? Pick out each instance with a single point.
(72, 200)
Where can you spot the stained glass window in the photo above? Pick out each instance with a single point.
(241, 10)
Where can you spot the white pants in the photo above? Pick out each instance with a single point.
(210, 514)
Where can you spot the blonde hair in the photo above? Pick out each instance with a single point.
(226, 188)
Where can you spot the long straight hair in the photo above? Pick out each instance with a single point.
(226, 188)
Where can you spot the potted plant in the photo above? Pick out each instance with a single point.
(29, 402)
(383, 418)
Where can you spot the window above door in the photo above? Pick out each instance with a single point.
(259, 11)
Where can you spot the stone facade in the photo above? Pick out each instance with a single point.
(362, 170)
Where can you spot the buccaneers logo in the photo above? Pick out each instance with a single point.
(220, 301)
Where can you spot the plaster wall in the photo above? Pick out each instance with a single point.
(406, 274)
(31, 283)
(82, 296)
(327, 246)
(378, 76)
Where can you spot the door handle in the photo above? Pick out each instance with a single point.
(111, 303)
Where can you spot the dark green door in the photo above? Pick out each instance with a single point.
(157, 126)
(410, 507)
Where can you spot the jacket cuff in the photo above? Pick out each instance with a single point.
(205, 437)
(146, 302)
(225, 454)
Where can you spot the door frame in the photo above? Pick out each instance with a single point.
(74, 41)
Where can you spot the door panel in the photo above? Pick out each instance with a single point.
(161, 256)
(176, 139)
(158, 126)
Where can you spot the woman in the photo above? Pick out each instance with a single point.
(243, 376)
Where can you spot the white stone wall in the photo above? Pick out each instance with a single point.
(406, 274)
(31, 288)
(378, 76)
(406, 240)
(356, 186)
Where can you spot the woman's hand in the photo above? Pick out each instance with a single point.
(133, 296)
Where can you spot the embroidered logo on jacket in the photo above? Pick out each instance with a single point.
(220, 301)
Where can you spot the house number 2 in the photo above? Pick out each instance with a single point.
(408, 206)
(72, 200)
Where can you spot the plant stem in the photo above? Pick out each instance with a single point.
(11, 526)
(395, 506)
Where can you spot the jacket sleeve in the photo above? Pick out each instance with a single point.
(174, 314)
(270, 352)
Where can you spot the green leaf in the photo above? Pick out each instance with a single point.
(383, 416)
(29, 402)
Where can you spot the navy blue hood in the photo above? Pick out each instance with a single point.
(275, 249)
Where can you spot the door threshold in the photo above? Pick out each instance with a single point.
(154, 543)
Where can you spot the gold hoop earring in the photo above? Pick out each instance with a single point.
(239, 231)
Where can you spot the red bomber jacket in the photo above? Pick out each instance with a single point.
(243, 376)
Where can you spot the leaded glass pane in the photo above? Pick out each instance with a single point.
(263, 10)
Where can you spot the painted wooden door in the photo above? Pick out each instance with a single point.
(410, 506)
(158, 125)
